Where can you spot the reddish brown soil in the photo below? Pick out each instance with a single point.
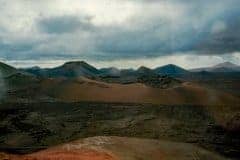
(89, 90)
(58, 154)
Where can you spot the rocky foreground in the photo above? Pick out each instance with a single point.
(119, 148)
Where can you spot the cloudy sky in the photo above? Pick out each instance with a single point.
(123, 33)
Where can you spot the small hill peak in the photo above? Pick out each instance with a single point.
(170, 69)
(75, 63)
(144, 69)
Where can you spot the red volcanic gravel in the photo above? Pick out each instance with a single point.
(83, 154)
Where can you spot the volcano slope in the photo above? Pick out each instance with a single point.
(38, 113)
(28, 88)
(28, 127)
(119, 148)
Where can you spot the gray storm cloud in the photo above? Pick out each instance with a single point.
(147, 28)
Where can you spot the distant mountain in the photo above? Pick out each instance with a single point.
(144, 71)
(68, 70)
(171, 70)
(36, 71)
(222, 67)
(225, 67)
(73, 69)
(81, 68)
(226, 64)
(6, 70)
(127, 72)
(112, 71)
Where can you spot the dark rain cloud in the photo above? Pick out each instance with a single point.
(201, 41)
(224, 41)
(64, 24)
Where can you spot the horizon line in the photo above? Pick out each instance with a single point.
(93, 65)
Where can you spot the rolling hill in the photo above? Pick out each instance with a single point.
(76, 100)
(7, 70)
(90, 90)
(84, 89)
(78, 81)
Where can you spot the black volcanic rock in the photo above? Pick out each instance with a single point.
(158, 81)
(142, 75)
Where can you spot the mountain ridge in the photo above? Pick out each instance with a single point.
(221, 67)
(82, 68)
